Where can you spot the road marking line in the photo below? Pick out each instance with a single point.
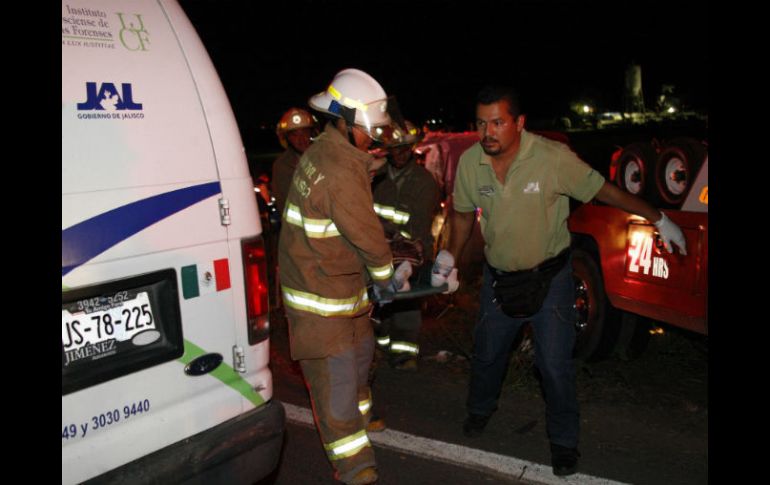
(464, 456)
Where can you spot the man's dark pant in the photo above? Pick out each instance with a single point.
(554, 332)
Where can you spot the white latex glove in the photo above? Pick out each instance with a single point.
(670, 232)
(442, 268)
(452, 282)
(401, 276)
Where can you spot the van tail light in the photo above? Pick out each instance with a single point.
(255, 275)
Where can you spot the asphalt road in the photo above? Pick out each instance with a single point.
(303, 462)
(643, 421)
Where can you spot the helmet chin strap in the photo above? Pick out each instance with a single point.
(349, 115)
(351, 136)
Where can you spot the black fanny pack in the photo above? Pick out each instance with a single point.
(521, 293)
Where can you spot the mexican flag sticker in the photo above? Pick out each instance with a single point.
(202, 279)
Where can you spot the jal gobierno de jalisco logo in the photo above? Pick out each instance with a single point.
(107, 101)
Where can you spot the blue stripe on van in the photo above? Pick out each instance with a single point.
(88, 239)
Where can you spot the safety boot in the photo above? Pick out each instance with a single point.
(474, 425)
(375, 425)
(564, 460)
(409, 365)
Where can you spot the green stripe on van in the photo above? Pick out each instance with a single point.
(224, 373)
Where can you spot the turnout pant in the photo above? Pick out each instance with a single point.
(401, 321)
(554, 335)
(341, 400)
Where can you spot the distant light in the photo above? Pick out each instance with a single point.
(256, 189)
(586, 108)
(433, 121)
(671, 109)
(657, 331)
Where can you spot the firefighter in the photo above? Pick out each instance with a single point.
(331, 244)
(295, 130)
(406, 197)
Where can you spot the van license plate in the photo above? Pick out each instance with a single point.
(97, 323)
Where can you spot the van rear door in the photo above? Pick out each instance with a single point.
(251, 350)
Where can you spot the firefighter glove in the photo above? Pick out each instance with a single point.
(670, 232)
(378, 292)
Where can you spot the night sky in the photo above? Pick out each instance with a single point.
(435, 55)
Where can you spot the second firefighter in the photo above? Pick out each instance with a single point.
(406, 198)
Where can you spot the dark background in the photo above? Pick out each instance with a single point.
(434, 55)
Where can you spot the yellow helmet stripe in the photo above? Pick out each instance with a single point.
(349, 102)
(334, 93)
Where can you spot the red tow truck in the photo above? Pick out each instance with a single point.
(625, 278)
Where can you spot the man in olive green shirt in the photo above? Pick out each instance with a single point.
(528, 211)
(521, 183)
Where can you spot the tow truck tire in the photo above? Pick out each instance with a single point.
(635, 166)
(597, 326)
(675, 171)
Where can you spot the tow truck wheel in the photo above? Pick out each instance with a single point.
(675, 170)
(597, 328)
(634, 168)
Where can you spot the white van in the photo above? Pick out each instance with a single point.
(165, 327)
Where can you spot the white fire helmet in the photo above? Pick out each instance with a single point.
(355, 89)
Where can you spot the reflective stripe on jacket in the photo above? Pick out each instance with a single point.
(410, 199)
(391, 214)
(326, 307)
